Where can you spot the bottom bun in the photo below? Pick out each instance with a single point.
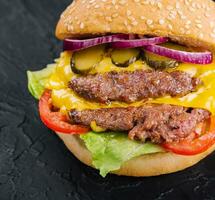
(147, 165)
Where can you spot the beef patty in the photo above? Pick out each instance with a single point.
(158, 123)
(133, 86)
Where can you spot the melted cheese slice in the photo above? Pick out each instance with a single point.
(65, 99)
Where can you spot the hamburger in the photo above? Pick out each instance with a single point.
(132, 93)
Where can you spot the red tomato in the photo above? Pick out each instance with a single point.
(56, 121)
(196, 145)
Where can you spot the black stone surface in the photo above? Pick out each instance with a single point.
(34, 163)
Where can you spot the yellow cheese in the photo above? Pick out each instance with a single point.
(65, 99)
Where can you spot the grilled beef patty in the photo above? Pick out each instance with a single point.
(158, 123)
(133, 86)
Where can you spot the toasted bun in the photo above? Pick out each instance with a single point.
(187, 22)
(146, 165)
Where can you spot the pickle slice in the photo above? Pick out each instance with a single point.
(124, 57)
(159, 62)
(85, 60)
(162, 62)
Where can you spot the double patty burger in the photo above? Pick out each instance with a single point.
(133, 92)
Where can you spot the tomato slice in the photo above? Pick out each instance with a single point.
(56, 121)
(196, 145)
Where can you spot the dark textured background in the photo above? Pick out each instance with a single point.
(34, 163)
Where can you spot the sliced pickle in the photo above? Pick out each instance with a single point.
(85, 60)
(162, 62)
(124, 57)
(159, 62)
(175, 46)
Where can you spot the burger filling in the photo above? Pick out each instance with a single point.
(157, 123)
(128, 102)
(133, 86)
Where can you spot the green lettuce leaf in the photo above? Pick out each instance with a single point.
(38, 79)
(111, 149)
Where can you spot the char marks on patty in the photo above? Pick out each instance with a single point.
(133, 86)
(158, 123)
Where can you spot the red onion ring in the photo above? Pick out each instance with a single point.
(139, 42)
(182, 56)
(75, 45)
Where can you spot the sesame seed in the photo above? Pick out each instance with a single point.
(161, 21)
(183, 17)
(149, 22)
(116, 7)
(191, 9)
(198, 25)
(109, 19)
(177, 5)
(187, 26)
(134, 23)
(171, 16)
(126, 23)
(152, 2)
(159, 5)
(170, 26)
(131, 18)
(187, 2)
(201, 35)
(128, 12)
(145, 2)
(207, 14)
(136, 1)
(115, 15)
(179, 12)
(198, 21)
(173, 12)
(96, 6)
(194, 5)
(82, 25)
(142, 17)
(122, 2)
(70, 28)
(208, 8)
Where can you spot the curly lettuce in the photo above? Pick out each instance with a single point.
(38, 79)
(111, 149)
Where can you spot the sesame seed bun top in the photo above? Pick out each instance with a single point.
(190, 22)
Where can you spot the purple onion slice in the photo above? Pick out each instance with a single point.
(182, 56)
(75, 45)
(139, 42)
